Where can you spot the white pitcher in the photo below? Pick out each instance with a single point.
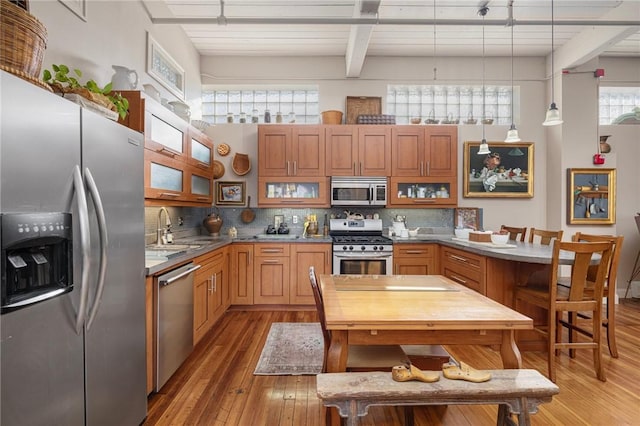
(124, 78)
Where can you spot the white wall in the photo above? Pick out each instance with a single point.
(115, 33)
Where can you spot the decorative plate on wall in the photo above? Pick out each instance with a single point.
(218, 169)
(223, 149)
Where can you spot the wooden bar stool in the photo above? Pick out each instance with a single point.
(581, 296)
(609, 291)
(515, 233)
(544, 237)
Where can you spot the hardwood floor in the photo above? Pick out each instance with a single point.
(216, 385)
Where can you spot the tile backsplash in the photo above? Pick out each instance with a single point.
(187, 221)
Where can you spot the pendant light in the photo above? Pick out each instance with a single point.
(484, 146)
(553, 114)
(512, 134)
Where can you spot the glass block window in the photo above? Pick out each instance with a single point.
(615, 101)
(453, 104)
(222, 105)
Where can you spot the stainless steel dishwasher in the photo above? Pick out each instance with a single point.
(174, 332)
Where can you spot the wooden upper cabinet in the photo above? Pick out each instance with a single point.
(200, 150)
(441, 150)
(374, 148)
(427, 151)
(291, 150)
(272, 150)
(308, 151)
(358, 150)
(342, 150)
(407, 147)
(165, 132)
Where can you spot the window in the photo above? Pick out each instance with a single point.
(449, 103)
(615, 101)
(299, 104)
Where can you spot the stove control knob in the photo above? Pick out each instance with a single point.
(381, 248)
(363, 248)
(350, 247)
(344, 248)
(376, 248)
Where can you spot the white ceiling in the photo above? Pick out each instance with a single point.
(587, 28)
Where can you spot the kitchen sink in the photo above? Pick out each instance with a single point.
(172, 247)
(277, 236)
(162, 254)
(168, 251)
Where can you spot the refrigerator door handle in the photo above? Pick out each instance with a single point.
(102, 229)
(85, 242)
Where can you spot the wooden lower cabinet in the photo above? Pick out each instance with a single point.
(241, 277)
(271, 274)
(303, 256)
(211, 282)
(276, 273)
(464, 268)
(415, 259)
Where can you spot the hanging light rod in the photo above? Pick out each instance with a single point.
(377, 21)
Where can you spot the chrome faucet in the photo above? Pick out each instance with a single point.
(162, 231)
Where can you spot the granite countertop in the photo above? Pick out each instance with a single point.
(185, 249)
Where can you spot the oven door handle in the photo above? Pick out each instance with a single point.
(362, 257)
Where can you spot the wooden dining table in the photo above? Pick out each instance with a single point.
(414, 310)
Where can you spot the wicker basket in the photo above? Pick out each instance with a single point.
(332, 117)
(23, 40)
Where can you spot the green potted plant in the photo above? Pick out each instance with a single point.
(63, 80)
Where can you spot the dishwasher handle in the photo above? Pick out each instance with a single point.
(168, 279)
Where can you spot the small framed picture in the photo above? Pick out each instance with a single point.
(468, 217)
(506, 172)
(592, 196)
(230, 193)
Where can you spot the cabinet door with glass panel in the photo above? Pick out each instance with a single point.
(423, 192)
(165, 132)
(170, 181)
(293, 191)
(200, 150)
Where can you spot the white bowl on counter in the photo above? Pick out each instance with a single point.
(499, 238)
(462, 233)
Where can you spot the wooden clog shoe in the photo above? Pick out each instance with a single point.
(402, 373)
(464, 372)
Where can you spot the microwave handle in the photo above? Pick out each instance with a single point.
(371, 194)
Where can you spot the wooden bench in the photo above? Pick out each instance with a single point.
(515, 391)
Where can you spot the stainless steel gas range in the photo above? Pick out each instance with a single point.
(360, 248)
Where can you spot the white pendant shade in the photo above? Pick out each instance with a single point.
(484, 148)
(512, 134)
(553, 116)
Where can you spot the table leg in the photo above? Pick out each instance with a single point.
(337, 355)
(509, 351)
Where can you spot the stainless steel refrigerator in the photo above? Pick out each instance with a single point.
(77, 357)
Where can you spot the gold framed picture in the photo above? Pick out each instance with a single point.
(506, 172)
(592, 196)
(230, 193)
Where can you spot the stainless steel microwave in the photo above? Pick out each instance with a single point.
(358, 191)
